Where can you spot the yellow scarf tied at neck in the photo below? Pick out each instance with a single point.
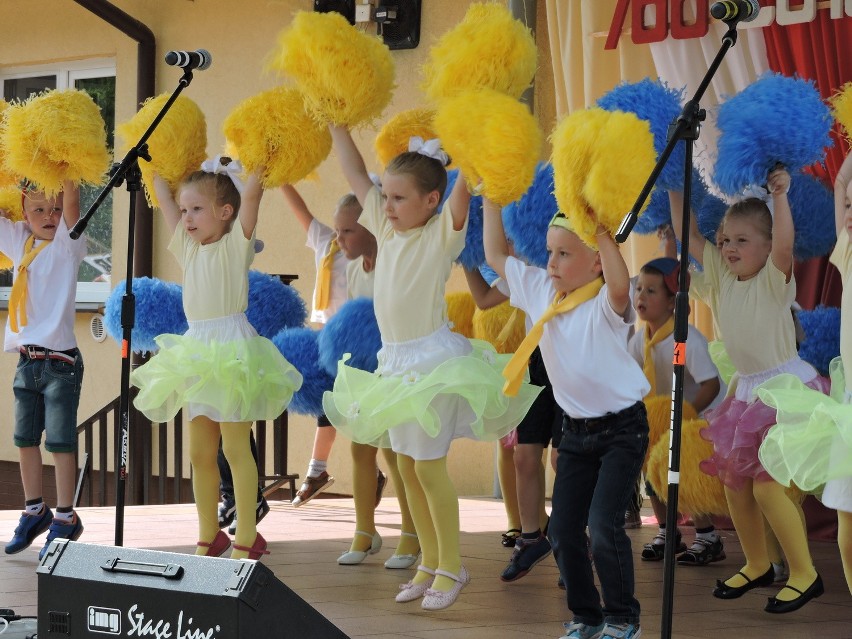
(514, 371)
(650, 342)
(18, 296)
(322, 298)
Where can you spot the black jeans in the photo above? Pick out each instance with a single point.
(599, 461)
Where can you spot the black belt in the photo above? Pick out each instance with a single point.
(604, 421)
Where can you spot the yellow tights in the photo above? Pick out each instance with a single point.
(364, 493)
(204, 436)
(435, 508)
(844, 540)
(748, 506)
(508, 485)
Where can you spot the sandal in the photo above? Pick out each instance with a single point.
(656, 550)
(257, 550)
(510, 536)
(702, 552)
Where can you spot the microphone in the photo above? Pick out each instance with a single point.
(733, 11)
(200, 59)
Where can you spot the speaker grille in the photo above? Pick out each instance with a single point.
(59, 623)
(344, 7)
(404, 32)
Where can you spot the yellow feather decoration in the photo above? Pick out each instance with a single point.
(395, 134)
(56, 136)
(10, 201)
(346, 76)
(698, 493)
(841, 107)
(501, 149)
(460, 308)
(488, 326)
(177, 146)
(272, 131)
(659, 418)
(7, 177)
(600, 163)
(487, 49)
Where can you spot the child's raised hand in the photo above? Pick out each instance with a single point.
(778, 182)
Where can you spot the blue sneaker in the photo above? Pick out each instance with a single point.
(61, 530)
(577, 630)
(525, 556)
(621, 631)
(29, 527)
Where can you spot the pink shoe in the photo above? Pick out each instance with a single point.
(438, 599)
(221, 542)
(412, 591)
(257, 550)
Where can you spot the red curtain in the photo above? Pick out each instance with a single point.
(820, 51)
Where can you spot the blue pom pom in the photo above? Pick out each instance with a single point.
(159, 310)
(822, 336)
(473, 253)
(776, 119)
(488, 273)
(300, 347)
(709, 216)
(658, 213)
(658, 104)
(812, 206)
(272, 305)
(353, 329)
(526, 220)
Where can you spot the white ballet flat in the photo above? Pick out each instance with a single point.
(402, 562)
(438, 599)
(355, 557)
(411, 591)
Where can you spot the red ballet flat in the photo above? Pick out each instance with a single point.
(257, 550)
(221, 542)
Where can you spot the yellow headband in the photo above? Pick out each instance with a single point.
(561, 221)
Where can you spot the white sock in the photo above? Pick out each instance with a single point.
(316, 467)
(34, 509)
(66, 517)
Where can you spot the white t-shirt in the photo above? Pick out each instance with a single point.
(584, 350)
(699, 366)
(360, 283)
(51, 289)
(319, 240)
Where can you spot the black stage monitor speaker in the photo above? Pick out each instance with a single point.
(98, 591)
(404, 31)
(344, 7)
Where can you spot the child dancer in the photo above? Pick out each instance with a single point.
(221, 372)
(749, 286)
(605, 429)
(40, 328)
(652, 349)
(424, 368)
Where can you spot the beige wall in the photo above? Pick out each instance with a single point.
(239, 37)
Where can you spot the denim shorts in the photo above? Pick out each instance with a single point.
(47, 394)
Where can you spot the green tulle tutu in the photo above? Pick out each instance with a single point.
(364, 406)
(812, 441)
(242, 380)
(722, 360)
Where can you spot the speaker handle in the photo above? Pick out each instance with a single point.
(166, 571)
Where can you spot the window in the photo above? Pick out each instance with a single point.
(97, 78)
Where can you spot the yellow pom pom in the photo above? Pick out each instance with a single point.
(460, 309)
(7, 177)
(659, 418)
(395, 134)
(487, 49)
(699, 493)
(502, 326)
(177, 146)
(271, 130)
(345, 75)
(600, 162)
(56, 136)
(10, 201)
(841, 106)
(493, 138)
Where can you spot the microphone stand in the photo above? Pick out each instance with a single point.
(127, 170)
(686, 127)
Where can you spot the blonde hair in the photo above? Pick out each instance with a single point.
(753, 210)
(222, 187)
(428, 173)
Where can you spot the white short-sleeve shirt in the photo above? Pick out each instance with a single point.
(319, 240)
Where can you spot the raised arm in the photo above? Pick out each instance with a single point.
(483, 295)
(494, 237)
(783, 234)
(70, 203)
(841, 193)
(351, 161)
(459, 202)
(170, 208)
(707, 391)
(696, 240)
(298, 206)
(250, 204)
(614, 272)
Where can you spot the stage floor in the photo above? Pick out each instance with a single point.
(306, 541)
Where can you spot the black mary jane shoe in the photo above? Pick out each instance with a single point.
(778, 606)
(724, 591)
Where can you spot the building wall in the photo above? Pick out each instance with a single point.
(240, 36)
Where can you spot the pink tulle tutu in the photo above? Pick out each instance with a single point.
(737, 429)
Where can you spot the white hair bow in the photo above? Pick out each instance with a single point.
(429, 148)
(224, 164)
(761, 193)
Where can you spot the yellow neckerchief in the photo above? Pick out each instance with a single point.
(514, 371)
(507, 329)
(18, 297)
(322, 298)
(650, 342)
